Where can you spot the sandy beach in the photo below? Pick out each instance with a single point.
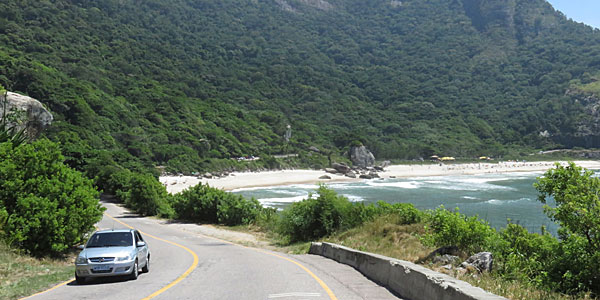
(176, 184)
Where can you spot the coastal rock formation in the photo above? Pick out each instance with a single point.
(482, 261)
(361, 157)
(30, 113)
(341, 168)
(325, 177)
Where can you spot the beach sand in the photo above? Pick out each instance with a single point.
(176, 184)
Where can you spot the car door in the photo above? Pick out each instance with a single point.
(142, 251)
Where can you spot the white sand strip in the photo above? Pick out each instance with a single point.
(176, 184)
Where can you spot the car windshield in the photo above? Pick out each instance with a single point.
(111, 239)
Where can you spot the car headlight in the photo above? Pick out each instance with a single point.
(80, 260)
(123, 258)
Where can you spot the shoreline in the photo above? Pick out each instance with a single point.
(243, 180)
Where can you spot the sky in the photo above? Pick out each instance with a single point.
(586, 11)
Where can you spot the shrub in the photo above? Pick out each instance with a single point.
(146, 196)
(314, 218)
(446, 228)
(49, 205)
(522, 255)
(203, 203)
(406, 212)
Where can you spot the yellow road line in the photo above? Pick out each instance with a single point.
(180, 278)
(50, 289)
(56, 286)
(315, 277)
(321, 282)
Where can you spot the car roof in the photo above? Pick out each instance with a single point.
(114, 230)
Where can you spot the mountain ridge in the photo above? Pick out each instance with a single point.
(182, 83)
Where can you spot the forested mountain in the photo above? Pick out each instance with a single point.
(186, 82)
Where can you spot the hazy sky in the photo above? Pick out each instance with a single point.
(586, 11)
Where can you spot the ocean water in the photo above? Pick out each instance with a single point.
(495, 198)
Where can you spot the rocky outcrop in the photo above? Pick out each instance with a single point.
(341, 168)
(28, 113)
(361, 157)
(482, 261)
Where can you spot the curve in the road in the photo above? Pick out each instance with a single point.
(182, 276)
(315, 277)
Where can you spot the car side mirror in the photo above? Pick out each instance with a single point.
(141, 244)
(80, 247)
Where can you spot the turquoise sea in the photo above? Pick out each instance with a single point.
(493, 197)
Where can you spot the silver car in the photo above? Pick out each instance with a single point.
(112, 253)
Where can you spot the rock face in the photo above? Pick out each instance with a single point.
(33, 115)
(341, 168)
(362, 157)
(482, 261)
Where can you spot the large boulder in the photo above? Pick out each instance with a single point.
(482, 261)
(361, 156)
(341, 168)
(30, 113)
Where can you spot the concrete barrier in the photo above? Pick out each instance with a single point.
(406, 279)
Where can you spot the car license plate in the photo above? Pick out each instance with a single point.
(102, 268)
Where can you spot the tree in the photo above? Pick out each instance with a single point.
(576, 193)
(49, 206)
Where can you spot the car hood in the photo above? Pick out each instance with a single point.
(106, 252)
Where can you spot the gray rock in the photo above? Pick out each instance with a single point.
(446, 259)
(314, 149)
(351, 174)
(325, 177)
(374, 175)
(342, 168)
(208, 175)
(482, 261)
(330, 170)
(378, 168)
(35, 117)
(365, 176)
(361, 156)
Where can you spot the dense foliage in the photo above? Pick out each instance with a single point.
(204, 204)
(191, 84)
(45, 206)
(320, 216)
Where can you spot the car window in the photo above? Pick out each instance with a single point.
(110, 239)
(139, 236)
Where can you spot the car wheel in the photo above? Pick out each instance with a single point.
(79, 280)
(146, 268)
(134, 272)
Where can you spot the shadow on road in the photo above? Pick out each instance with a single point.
(101, 280)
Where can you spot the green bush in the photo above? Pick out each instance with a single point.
(407, 213)
(575, 269)
(314, 218)
(49, 205)
(469, 234)
(522, 255)
(146, 196)
(203, 203)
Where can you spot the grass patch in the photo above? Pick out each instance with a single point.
(22, 275)
(385, 237)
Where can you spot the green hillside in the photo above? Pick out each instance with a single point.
(192, 83)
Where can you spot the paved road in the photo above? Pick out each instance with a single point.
(223, 271)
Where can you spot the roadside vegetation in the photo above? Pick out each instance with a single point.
(526, 265)
(22, 275)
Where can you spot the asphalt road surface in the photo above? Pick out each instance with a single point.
(220, 270)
